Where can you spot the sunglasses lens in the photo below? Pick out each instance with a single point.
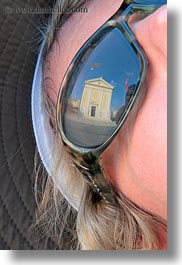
(99, 86)
(151, 2)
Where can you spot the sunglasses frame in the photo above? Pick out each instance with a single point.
(88, 160)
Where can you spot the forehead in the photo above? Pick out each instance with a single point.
(71, 36)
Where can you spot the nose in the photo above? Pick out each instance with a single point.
(151, 33)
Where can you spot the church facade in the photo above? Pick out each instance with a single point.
(96, 99)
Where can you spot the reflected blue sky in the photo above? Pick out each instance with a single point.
(115, 61)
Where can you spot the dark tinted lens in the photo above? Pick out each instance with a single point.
(150, 2)
(102, 82)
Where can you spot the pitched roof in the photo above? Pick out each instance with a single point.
(99, 81)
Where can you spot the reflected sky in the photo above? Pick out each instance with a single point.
(115, 61)
(152, 2)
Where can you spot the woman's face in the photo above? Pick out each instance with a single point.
(143, 175)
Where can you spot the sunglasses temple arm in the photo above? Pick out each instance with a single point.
(98, 182)
(126, 10)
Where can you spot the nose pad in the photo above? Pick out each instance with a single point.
(151, 32)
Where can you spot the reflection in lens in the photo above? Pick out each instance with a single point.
(151, 2)
(102, 83)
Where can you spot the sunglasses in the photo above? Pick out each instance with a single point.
(98, 92)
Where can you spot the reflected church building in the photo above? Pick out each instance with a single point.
(96, 99)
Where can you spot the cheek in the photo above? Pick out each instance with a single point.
(149, 141)
(148, 152)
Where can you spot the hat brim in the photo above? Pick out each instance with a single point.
(44, 135)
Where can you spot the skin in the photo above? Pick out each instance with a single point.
(141, 174)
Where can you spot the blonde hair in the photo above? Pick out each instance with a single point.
(96, 226)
